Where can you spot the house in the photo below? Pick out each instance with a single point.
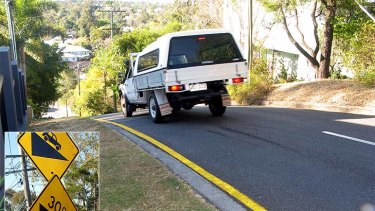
(281, 54)
(73, 53)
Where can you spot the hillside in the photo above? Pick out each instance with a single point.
(331, 95)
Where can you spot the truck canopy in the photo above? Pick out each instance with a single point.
(187, 49)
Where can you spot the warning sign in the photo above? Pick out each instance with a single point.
(53, 197)
(51, 152)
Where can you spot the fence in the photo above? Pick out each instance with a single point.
(12, 106)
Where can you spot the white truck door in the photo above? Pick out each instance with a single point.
(130, 90)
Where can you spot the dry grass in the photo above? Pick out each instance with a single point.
(131, 179)
(336, 92)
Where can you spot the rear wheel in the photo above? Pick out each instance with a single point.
(154, 109)
(216, 107)
(126, 107)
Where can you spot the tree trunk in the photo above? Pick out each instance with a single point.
(326, 49)
(311, 58)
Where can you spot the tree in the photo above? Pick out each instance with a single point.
(87, 18)
(44, 64)
(30, 24)
(15, 200)
(355, 43)
(45, 68)
(81, 180)
(194, 14)
(288, 11)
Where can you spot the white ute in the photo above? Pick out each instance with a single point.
(180, 70)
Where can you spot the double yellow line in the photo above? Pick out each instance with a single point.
(250, 203)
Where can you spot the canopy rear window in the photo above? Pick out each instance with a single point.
(203, 50)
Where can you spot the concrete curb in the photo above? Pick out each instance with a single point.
(367, 110)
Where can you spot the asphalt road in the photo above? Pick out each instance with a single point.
(284, 159)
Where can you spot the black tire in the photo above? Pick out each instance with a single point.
(216, 107)
(126, 106)
(153, 108)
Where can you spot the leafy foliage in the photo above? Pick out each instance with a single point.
(356, 43)
(15, 200)
(259, 86)
(44, 70)
(286, 12)
(44, 64)
(81, 179)
(96, 96)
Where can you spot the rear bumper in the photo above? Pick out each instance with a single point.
(214, 90)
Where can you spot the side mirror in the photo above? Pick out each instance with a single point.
(127, 63)
(121, 75)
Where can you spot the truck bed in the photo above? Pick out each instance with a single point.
(190, 75)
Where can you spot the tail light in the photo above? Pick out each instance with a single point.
(201, 38)
(237, 80)
(176, 88)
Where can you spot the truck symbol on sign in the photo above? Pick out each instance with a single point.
(50, 137)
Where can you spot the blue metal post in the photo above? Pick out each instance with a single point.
(17, 93)
(23, 91)
(2, 147)
(8, 86)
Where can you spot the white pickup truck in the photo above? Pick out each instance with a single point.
(180, 70)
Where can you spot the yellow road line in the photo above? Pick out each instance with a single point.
(210, 177)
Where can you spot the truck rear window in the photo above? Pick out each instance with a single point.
(202, 50)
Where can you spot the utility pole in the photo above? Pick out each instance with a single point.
(105, 85)
(25, 179)
(250, 34)
(24, 171)
(112, 11)
(79, 78)
(79, 84)
(250, 37)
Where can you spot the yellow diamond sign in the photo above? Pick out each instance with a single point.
(51, 152)
(53, 197)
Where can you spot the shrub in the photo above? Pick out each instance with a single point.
(259, 86)
(368, 78)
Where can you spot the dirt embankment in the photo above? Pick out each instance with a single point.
(331, 95)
